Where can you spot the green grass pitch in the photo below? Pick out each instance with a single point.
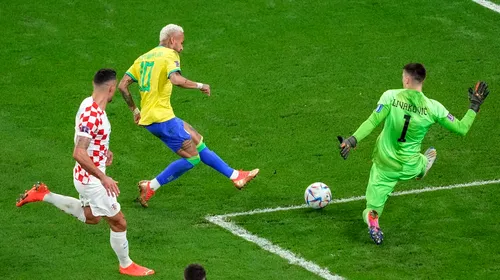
(287, 77)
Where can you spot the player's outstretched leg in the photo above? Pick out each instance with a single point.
(68, 204)
(36, 193)
(431, 155)
(147, 188)
(374, 230)
(239, 177)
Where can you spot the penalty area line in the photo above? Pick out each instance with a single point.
(225, 223)
(488, 4)
(275, 249)
(357, 198)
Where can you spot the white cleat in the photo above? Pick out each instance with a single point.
(431, 155)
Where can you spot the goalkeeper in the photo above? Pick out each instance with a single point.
(408, 114)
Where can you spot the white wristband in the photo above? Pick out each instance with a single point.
(136, 111)
(199, 85)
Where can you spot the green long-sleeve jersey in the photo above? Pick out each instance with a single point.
(408, 114)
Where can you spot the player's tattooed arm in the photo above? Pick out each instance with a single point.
(177, 79)
(80, 154)
(82, 142)
(123, 87)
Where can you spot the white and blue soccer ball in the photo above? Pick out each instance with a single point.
(318, 195)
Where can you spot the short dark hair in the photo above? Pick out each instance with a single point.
(416, 71)
(194, 272)
(104, 75)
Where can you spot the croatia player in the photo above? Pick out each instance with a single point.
(97, 191)
(408, 115)
(155, 72)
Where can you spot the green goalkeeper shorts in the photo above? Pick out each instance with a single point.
(382, 181)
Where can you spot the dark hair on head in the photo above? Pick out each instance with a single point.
(194, 272)
(416, 71)
(104, 75)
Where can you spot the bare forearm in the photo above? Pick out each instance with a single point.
(188, 84)
(128, 98)
(123, 87)
(84, 160)
(177, 79)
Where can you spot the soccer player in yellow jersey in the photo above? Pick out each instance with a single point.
(155, 72)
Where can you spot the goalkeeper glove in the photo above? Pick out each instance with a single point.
(346, 145)
(478, 95)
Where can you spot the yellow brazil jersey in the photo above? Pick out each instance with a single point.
(151, 71)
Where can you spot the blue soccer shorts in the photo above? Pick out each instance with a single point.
(171, 132)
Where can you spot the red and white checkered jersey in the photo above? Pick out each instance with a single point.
(92, 122)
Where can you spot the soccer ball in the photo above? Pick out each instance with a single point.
(318, 195)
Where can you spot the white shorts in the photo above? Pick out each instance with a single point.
(95, 196)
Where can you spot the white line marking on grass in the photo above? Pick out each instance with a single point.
(356, 198)
(275, 249)
(456, 186)
(223, 222)
(490, 5)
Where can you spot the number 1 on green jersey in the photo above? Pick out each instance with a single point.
(405, 129)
